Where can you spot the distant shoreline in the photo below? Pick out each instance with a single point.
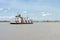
(35, 21)
(46, 21)
(4, 21)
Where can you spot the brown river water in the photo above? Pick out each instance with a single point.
(36, 31)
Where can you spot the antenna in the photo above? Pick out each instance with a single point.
(17, 13)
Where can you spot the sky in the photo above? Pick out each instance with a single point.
(34, 9)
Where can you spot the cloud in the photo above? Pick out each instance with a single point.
(4, 10)
(45, 14)
(24, 12)
(7, 17)
(1, 9)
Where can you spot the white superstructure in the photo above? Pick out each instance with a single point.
(19, 19)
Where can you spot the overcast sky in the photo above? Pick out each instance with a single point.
(35, 9)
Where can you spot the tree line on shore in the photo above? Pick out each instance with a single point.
(33, 21)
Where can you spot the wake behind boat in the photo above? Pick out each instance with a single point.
(21, 20)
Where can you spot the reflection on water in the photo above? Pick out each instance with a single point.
(36, 31)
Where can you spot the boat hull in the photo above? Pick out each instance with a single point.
(21, 23)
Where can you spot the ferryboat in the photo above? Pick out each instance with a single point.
(21, 20)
